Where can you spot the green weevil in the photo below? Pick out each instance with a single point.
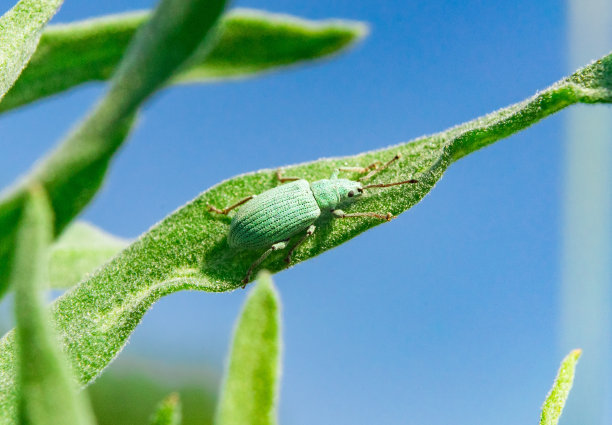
(269, 220)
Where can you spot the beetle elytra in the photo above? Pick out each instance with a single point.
(269, 220)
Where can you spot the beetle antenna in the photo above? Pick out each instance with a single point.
(390, 184)
(378, 169)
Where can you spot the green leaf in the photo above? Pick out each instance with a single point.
(73, 173)
(556, 398)
(250, 390)
(168, 412)
(249, 42)
(80, 250)
(131, 388)
(48, 391)
(188, 249)
(20, 30)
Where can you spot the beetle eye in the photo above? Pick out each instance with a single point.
(350, 194)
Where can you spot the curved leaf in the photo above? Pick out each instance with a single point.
(49, 393)
(80, 250)
(168, 412)
(73, 173)
(249, 42)
(188, 249)
(556, 398)
(250, 388)
(20, 30)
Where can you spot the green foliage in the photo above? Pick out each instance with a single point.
(48, 393)
(188, 249)
(249, 42)
(20, 30)
(80, 250)
(556, 398)
(168, 412)
(175, 44)
(250, 390)
(129, 390)
(182, 41)
(73, 173)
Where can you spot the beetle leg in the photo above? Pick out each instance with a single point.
(231, 207)
(279, 176)
(275, 247)
(342, 214)
(372, 166)
(309, 232)
(382, 167)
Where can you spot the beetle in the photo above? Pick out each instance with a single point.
(269, 220)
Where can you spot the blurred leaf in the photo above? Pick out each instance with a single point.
(48, 391)
(556, 398)
(129, 390)
(250, 390)
(188, 249)
(20, 30)
(80, 250)
(73, 173)
(168, 412)
(249, 42)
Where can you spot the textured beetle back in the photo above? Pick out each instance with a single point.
(273, 216)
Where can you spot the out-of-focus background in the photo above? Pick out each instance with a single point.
(457, 312)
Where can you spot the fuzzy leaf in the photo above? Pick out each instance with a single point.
(73, 173)
(49, 393)
(188, 249)
(20, 30)
(249, 42)
(168, 412)
(250, 388)
(556, 398)
(80, 250)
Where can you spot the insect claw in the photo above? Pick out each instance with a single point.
(246, 279)
(216, 210)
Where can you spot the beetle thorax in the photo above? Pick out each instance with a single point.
(330, 193)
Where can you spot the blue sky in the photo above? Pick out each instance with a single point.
(449, 314)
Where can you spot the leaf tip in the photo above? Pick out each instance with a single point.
(36, 191)
(168, 411)
(346, 33)
(173, 399)
(264, 298)
(556, 398)
(37, 199)
(357, 29)
(265, 284)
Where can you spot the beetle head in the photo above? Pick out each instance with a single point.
(329, 193)
(348, 189)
